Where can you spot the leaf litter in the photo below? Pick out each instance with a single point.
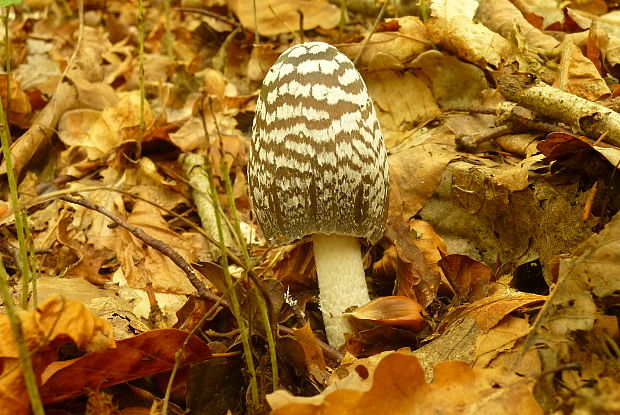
(450, 329)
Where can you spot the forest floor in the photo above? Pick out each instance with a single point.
(495, 287)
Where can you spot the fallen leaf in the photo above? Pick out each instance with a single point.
(391, 49)
(469, 278)
(133, 358)
(397, 386)
(52, 324)
(452, 25)
(489, 311)
(584, 278)
(276, 17)
(312, 352)
(578, 75)
(398, 311)
(414, 278)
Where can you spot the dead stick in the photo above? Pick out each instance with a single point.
(583, 116)
(154, 243)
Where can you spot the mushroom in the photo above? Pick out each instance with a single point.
(318, 166)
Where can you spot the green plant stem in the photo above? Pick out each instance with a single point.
(24, 359)
(7, 61)
(32, 260)
(141, 77)
(234, 300)
(262, 304)
(344, 18)
(168, 38)
(424, 10)
(19, 223)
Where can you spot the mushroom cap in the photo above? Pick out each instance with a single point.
(318, 163)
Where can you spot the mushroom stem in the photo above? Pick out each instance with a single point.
(342, 284)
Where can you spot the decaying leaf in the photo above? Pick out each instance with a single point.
(391, 49)
(414, 277)
(398, 311)
(489, 311)
(143, 355)
(397, 386)
(452, 25)
(469, 278)
(584, 279)
(45, 329)
(277, 17)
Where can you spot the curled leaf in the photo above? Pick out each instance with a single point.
(398, 311)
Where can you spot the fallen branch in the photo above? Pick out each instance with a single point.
(583, 116)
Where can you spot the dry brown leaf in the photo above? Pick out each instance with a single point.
(20, 108)
(523, 145)
(227, 149)
(454, 83)
(143, 265)
(277, 17)
(397, 386)
(414, 278)
(501, 340)
(469, 278)
(476, 189)
(489, 311)
(75, 124)
(93, 226)
(93, 95)
(587, 276)
(392, 94)
(501, 16)
(263, 56)
(430, 243)
(293, 265)
(38, 135)
(89, 258)
(579, 76)
(77, 289)
(45, 329)
(115, 126)
(452, 25)
(393, 49)
(40, 72)
(313, 354)
(416, 171)
(191, 135)
(397, 311)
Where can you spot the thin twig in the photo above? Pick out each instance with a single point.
(374, 27)
(154, 243)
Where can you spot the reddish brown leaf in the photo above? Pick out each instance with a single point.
(566, 148)
(20, 108)
(312, 352)
(469, 278)
(399, 311)
(414, 278)
(54, 323)
(146, 354)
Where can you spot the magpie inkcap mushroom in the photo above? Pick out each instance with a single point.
(318, 166)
